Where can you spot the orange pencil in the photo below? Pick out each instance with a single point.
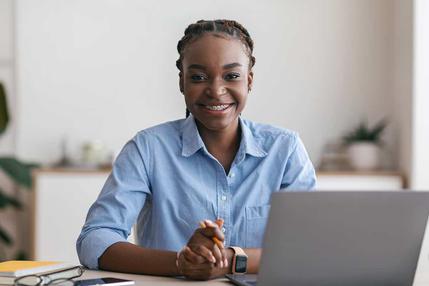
(219, 222)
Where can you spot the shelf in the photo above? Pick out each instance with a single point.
(360, 173)
(70, 170)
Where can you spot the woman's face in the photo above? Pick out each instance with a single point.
(215, 80)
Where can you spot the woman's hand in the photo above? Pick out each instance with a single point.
(196, 267)
(203, 258)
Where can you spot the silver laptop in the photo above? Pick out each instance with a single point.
(342, 238)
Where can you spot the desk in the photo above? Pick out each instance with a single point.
(146, 280)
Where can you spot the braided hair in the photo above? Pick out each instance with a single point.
(228, 27)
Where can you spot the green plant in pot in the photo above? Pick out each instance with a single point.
(19, 172)
(363, 145)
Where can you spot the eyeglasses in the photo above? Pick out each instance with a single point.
(62, 277)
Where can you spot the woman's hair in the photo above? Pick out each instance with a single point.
(228, 27)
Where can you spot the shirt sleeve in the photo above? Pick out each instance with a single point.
(299, 173)
(113, 214)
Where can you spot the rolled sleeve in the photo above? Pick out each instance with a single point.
(115, 211)
(299, 173)
(93, 245)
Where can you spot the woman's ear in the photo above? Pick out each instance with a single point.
(181, 83)
(250, 81)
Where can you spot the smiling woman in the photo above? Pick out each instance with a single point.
(176, 179)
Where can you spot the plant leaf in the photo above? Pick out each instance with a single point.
(7, 200)
(4, 114)
(5, 237)
(21, 255)
(364, 133)
(18, 171)
(378, 129)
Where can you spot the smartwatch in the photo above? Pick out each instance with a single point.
(239, 260)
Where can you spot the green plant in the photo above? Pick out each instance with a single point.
(364, 133)
(18, 171)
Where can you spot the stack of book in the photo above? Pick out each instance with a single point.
(10, 270)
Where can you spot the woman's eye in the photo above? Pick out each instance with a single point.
(232, 76)
(198, 77)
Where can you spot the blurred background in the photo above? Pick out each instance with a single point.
(81, 77)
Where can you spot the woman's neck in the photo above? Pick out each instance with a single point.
(222, 144)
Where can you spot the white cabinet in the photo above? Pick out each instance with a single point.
(61, 201)
(62, 197)
(359, 181)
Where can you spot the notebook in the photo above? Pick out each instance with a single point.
(12, 269)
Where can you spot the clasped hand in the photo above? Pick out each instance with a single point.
(203, 258)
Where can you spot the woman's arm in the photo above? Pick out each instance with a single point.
(130, 258)
(254, 258)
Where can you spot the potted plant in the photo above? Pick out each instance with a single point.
(19, 172)
(363, 145)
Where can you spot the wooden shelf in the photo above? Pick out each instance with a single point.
(360, 173)
(71, 170)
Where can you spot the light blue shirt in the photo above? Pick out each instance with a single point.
(166, 181)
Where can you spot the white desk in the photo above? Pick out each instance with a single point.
(146, 280)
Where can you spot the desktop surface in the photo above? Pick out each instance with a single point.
(148, 280)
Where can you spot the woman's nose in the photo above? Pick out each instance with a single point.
(216, 88)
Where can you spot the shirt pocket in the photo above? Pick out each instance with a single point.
(256, 221)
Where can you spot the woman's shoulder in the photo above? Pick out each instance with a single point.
(163, 131)
(263, 130)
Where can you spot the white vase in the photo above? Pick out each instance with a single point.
(364, 155)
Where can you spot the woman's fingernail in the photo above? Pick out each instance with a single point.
(221, 264)
(226, 262)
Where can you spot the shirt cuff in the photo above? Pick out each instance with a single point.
(95, 244)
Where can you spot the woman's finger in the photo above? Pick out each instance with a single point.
(203, 251)
(218, 255)
(192, 256)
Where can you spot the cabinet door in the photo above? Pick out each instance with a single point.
(61, 202)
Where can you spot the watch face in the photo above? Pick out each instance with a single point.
(240, 264)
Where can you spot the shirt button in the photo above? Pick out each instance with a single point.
(223, 229)
(223, 198)
(231, 175)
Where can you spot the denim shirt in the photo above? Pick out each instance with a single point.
(165, 181)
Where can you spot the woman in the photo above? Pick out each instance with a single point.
(214, 165)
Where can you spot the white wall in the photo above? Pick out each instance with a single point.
(420, 175)
(9, 219)
(105, 69)
(7, 73)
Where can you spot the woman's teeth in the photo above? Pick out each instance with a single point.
(217, 107)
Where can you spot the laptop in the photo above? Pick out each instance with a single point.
(341, 238)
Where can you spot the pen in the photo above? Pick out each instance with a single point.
(219, 222)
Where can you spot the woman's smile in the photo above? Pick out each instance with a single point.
(217, 109)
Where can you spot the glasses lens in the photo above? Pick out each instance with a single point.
(28, 281)
(62, 282)
(66, 274)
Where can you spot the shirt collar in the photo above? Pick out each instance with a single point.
(192, 142)
(248, 141)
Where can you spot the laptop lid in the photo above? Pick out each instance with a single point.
(343, 238)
